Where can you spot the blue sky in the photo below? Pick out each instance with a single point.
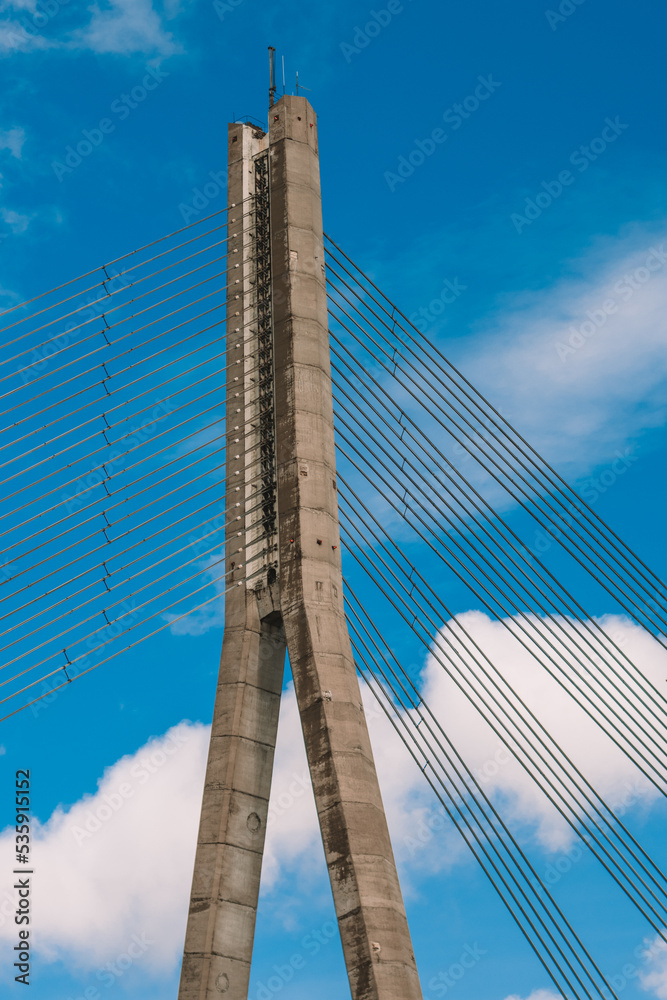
(535, 206)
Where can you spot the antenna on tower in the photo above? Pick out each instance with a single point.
(283, 76)
(272, 76)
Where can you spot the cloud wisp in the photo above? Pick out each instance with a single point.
(112, 27)
(581, 368)
(13, 140)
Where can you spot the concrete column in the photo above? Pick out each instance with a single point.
(223, 906)
(367, 896)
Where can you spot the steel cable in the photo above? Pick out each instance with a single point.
(483, 840)
(425, 393)
(443, 364)
(125, 649)
(503, 733)
(107, 542)
(120, 617)
(501, 573)
(479, 589)
(135, 482)
(102, 267)
(90, 552)
(534, 732)
(471, 497)
(109, 590)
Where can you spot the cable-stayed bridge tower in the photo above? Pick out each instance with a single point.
(133, 505)
(282, 520)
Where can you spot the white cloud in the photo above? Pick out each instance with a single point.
(13, 140)
(17, 222)
(124, 26)
(423, 838)
(292, 832)
(15, 38)
(119, 862)
(99, 885)
(587, 409)
(579, 381)
(653, 976)
(101, 882)
(601, 762)
(117, 27)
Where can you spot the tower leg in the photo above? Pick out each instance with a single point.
(367, 896)
(223, 905)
